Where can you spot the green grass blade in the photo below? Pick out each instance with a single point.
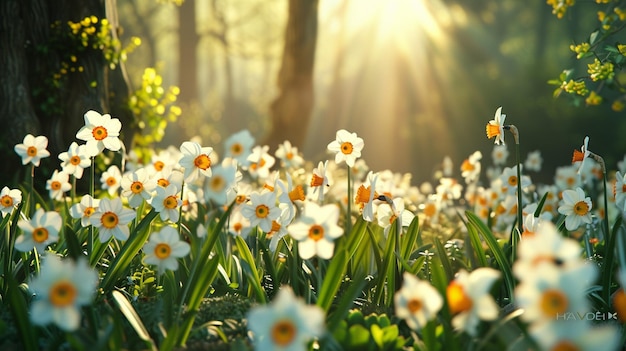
(133, 318)
(334, 277)
(249, 265)
(17, 304)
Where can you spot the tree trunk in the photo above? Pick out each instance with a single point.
(291, 111)
(188, 40)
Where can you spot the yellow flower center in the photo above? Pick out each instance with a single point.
(430, 209)
(75, 160)
(297, 193)
(162, 251)
(6, 201)
(512, 180)
(283, 332)
(553, 302)
(62, 294)
(170, 202)
(99, 133)
(136, 187)
(109, 220)
(203, 162)
(564, 345)
(414, 305)
(581, 208)
(40, 235)
(31, 151)
(236, 149)
(163, 182)
(262, 211)
(317, 180)
(159, 165)
(316, 232)
(217, 183)
(237, 227)
(239, 199)
(346, 148)
(457, 299)
(89, 211)
(492, 130)
(289, 155)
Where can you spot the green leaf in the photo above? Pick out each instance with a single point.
(334, 277)
(593, 37)
(17, 304)
(249, 265)
(133, 318)
(358, 336)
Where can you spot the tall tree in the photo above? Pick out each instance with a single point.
(188, 40)
(291, 111)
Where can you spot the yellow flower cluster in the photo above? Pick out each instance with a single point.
(575, 87)
(618, 106)
(605, 19)
(593, 99)
(559, 7)
(580, 49)
(621, 14)
(600, 71)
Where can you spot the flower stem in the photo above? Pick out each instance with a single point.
(349, 204)
(520, 219)
(92, 179)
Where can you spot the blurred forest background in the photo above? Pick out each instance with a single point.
(416, 79)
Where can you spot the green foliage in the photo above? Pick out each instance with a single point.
(371, 332)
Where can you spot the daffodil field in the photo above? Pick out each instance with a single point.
(231, 247)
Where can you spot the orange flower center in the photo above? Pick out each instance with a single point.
(6, 201)
(236, 149)
(283, 332)
(111, 181)
(457, 299)
(170, 202)
(581, 208)
(162, 251)
(297, 193)
(163, 182)
(430, 209)
(317, 180)
(237, 227)
(109, 220)
(239, 199)
(492, 130)
(363, 194)
(136, 187)
(31, 151)
(88, 211)
(75, 160)
(619, 304)
(55, 185)
(262, 211)
(40, 235)
(553, 302)
(99, 133)
(346, 148)
(414, 305)
(512, 181)
(217, 183)
(577, 156)
(316, 232)
(275, 227)
(467, 166)
(289, 155)
(159, 165)
(203, 162)
(564, 345)
(63, 293)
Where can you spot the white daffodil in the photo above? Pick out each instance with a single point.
(137, 187)
(239, 146)
(261, 210)
(164, 248)
(100, 132)
(166, 202)
(40, 231)
(112, 219)
(75, 160)
(287, 323)
(576, 207)
(32, 149)
(470, 168)
(217, 187)
(289, 156)
(347, 147)
(84, 209)
(495, 127)
(9, 199)
(58, 184)
(111, 179)
(260, 162)
(417, 301)
(469, 299)
(316, 230)
(196, 161)
(60, 289)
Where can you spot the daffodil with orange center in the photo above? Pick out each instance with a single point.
(164, 248)
(287, 323)
(167, 203)
(111, 180)
(289, 155)
(495, 127)
(32, 149)
(417, 301)
(470, 168)
(261, 210)
(221, 184)
(365, 195)
(112, 219)
(316, 230)
(347, 147)
(195, 160)
(75, 160)
(100, 132)
(38, 232)
(138, 187)
(319, 181)
(9, 198)
(239, 146)
(576, 206)
(61, 289)
(469, 299)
